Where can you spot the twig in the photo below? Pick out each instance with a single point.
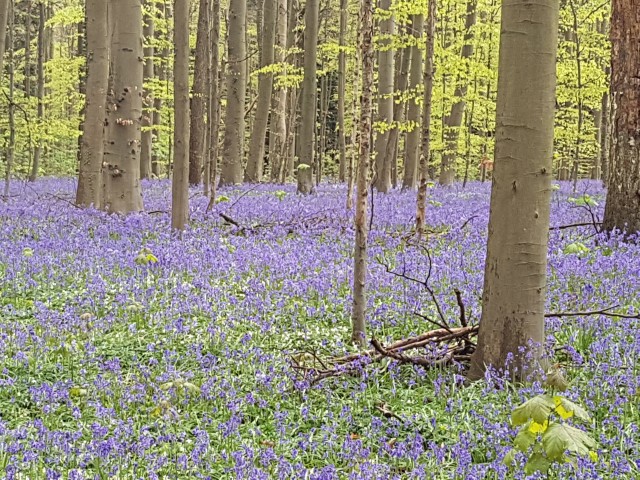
(463, 318)
(398, 356)
(605, 311)
(230, 220)
(585, 224)
(467, 221)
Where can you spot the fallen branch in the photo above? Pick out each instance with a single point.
(572, 225)
(604, 311)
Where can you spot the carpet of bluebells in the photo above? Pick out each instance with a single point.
(113, 365)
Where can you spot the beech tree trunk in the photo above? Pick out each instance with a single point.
(214, 98)
(92, 147)
(622, 209)
(232, 149)
(413, 111)
(37, 154)
(200, 92)
(425, 137)
(121, 166)
(309, 86)
(180, 179)
(358, 335)
(385, 101)
(4, 15)
(9, 18)
(454, 120)
(255, 163)
(278, 119)
(512, 324)
(342, 76)
(147, 102)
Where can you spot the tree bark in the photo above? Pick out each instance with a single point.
(512, 324)
(425, 136)
(413, 111)
(4, 15)
(358, 335)
(309, 86)
(9, 16)
(454, 120)
(148, 74)
(255, 164)
(92, 147)
(37, 154)
(199, 95)
(121, 167)
(234, 123)
(342, 77)
(180, 179)
(385, 100)
(278, 119)
(214, 97)
(161, 73)
(622, 209)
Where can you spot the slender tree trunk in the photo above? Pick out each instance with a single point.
(512, 323)
(413, 113)
(385, 100)
(92, 148)
(342, 81)
(425, 137)
(27, 48)
(214, 96)
(180, 180)
(234, 124)
(160, 70)
(198, 97)
(9, 15)
(360, 254)
(37, 154)
(454, 120)
(4, 15)
(255, 164)
(288, 164)
(278, 130)
(148, 73)
(622, 209)
(121, 167)
(309, 85)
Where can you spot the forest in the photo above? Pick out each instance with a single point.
(320, 239)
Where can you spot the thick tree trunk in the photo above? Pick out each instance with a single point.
(385, 100)
(309, 85)
(146, 142)
(413, 113)
(454, 120)
(278, 119)
(92, 147)
(512, 324)
(214, 98)
(358, 335)
(234, 124)
(199, 95)
(255, 163)
(622, 209)
(180, 179)
(342, 82)
(425, 136)
(121, 167)
(37, 154)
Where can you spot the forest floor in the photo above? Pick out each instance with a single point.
(128, 352)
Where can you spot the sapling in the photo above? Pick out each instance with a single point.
(546, 435)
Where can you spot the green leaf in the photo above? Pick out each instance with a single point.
(537, 463)
(584, 201)
(222, 198)
(524, 439)
(575, 248)
(577, 410)
(560, 437)
(509, 458)
(538, 408)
